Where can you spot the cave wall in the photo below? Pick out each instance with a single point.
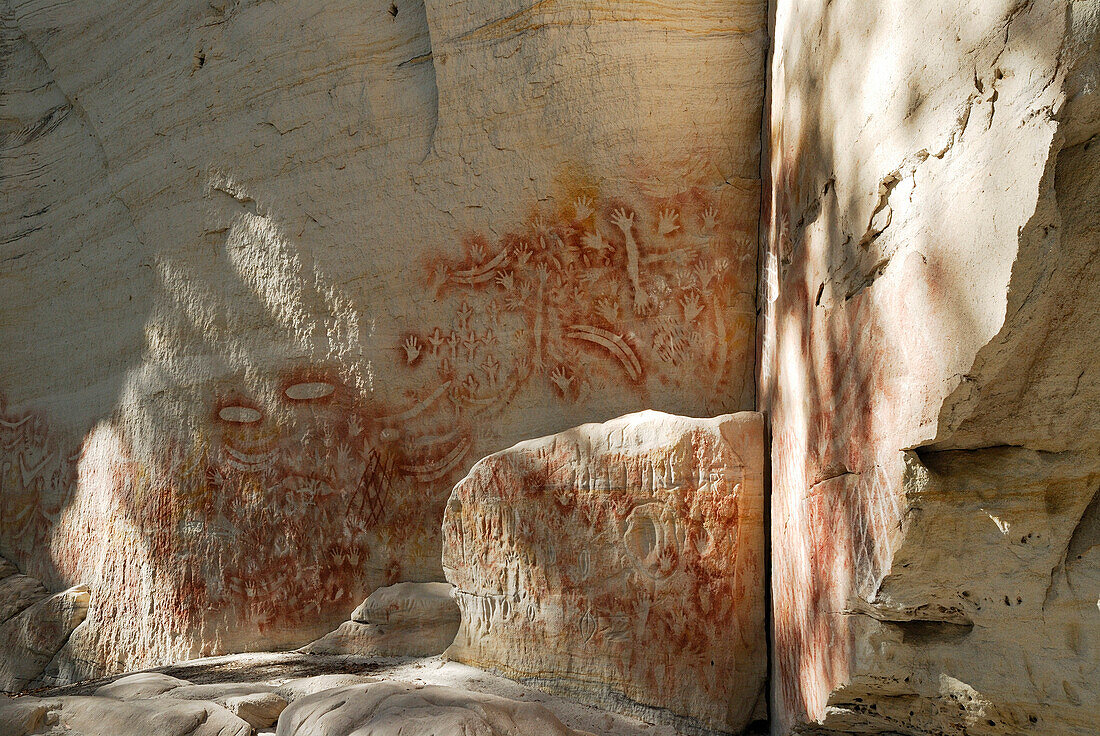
(928, 320)
(276, 274)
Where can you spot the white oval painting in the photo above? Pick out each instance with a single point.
(240, 414)
(311, 390)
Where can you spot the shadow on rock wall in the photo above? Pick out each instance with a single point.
(890, 250)
(285, 411)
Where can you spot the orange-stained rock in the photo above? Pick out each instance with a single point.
(341, 254)
(30, 639)
(621, 563)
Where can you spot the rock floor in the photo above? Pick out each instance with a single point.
(277, 668)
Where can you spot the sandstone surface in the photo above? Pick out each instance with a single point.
(407, 709)
(140, 685)
(295, 676)
(401, 620)
(928, 363)
(23, 715)
(18, 592)
(414, 604)
(300, 687)
(259, 709)
(352, 637)
(621, 563)
(216, 692)
(295, 267)
(256, 703)
(33, 625)
(30, 639)
(99, 716)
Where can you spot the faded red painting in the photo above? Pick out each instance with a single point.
(260, 507)
(636, 566)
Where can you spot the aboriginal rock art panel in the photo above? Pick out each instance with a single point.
(283, 511)
(838, 383)
(255, 511)
(639, 570)
(335, 494)
(597, 294)
(37, 470)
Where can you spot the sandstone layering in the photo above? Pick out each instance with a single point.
(929, 365)
(34, 625)
(276, 274)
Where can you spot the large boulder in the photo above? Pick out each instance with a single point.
(406, 709)
(140, 685)
(255, 703)
(412, 604)
(19, 716)
(401, 620)
(301, 687)
(101, 716)
(29, 640)
(259, 709)
(622, 563)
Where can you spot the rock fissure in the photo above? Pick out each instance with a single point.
(393, 239)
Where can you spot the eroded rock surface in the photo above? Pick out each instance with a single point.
(101, 716)
(412, 604)
(292, 676)
(30, 639)
(620, 562)
(406, 709)
(297, 267)
(259, 709)
(300, 687)
(402, 620)
(33, 625)
(17, 592)
(930, 312)
(140, 685)
(257, 703)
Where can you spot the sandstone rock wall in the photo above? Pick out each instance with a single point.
(276, 273)
(621, 563)
(929, 365)
(34, 625)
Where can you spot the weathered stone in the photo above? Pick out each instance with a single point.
(18, 592)
(260, 709)
(99, 716)
(41, 634)
(402, 620)
(409, 604)
(21, 716)
(405, 709)
(929, 365)
(217, 692)
(297, 267)
(29, 640)
(352, 637)
(80, 658)
(254, 702)
(140, 685)
(621, 562)
(301, 687)
(7, 568)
